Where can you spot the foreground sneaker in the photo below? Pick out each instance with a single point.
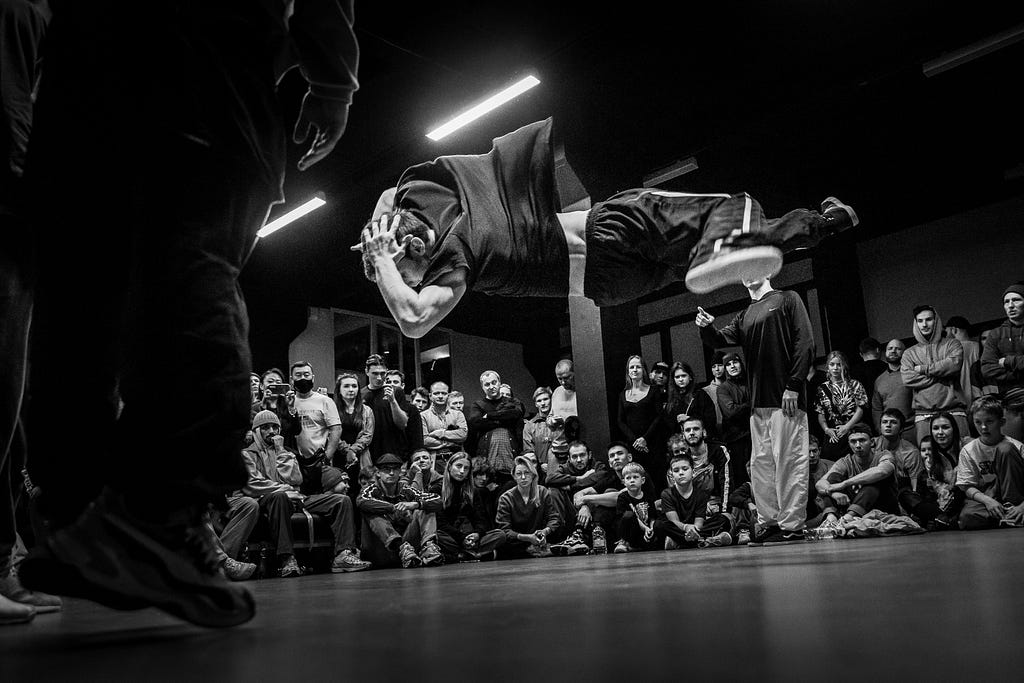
(719, 540)
(12, 612)
(237, 571)
(431, 555)
(408, 556)
(573, 545)
(290, 568)
(600, 545)
(347, 561)
(621, 547)
(743, 537)
(785, 537)
(670, 544)
(738, 257)
(768, 534)
(538, 550)
(12, 589)
(838, 216)
(112, 557)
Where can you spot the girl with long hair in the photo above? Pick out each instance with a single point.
(685, 401)
(840, 403)
(356, 426)
(639, 419)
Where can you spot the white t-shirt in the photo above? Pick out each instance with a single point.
(318, 414)
(563, 403)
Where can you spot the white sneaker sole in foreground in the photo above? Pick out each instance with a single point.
(734, 266)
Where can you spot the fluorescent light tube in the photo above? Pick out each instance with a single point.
(296, 213)
(484, 107)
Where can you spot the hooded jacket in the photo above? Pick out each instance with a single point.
(272, 468)
(937, 386)
(1005, 341)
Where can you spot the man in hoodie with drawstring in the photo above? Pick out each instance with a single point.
(931, 369)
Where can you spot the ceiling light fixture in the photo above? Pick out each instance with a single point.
(487, 105)
(973, 51)
(671, 171)
(315, 203)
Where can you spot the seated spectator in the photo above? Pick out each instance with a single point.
(525, 515)
(744, 510)
(1013, 411)
(685, 401)
(237, 524)
(991, 472)
(817, 468)
(463, 531)
(943, 499)
(569, 487)
(444, 428)
(399, 521)
(861, 481)
(421, 474)
(710, 462)
(907, 458)
(684, 520)
(840, 402)
(275, 480)
(636, 510)
(420, 398)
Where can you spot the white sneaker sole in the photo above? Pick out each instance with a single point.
(733, 267)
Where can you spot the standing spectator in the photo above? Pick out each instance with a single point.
(890, 392)
(390, 420)
(734, 403)
(320, 433)
(456, 401)
(157, 288)
(564, 413)
(357, 427)
(684, 401)
(412, 435)
(1002, 359)
(931, 368)
(978, 379)
(537, 433)
(444, 429)
(840, 402)
(639, 419)
(496, 424)
(778, 344)
(659, 375)
(717, 377)
(870, 365)
(957, 327)
(420, 398)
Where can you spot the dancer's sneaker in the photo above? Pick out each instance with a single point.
(115, 558)
(742, 256)
(838, 217)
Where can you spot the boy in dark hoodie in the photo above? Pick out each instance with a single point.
(931, 369)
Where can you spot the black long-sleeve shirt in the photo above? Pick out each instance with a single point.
(778, 346)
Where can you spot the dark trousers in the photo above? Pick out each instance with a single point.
(277, 508)
(629, 530)
(340, 512)
(1009, 471)
(153, 296)
(739, 456)
(715, 524)
(641, 240)
(242, 516)
(879, 495)
(452, 546)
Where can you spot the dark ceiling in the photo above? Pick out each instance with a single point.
(789, 101)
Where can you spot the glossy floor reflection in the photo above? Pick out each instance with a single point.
(937, 607)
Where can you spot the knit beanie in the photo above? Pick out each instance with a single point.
(1017, 288)
(265, 417)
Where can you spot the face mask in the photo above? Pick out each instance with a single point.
(303, 386)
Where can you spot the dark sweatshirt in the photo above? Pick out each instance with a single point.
(778, 346)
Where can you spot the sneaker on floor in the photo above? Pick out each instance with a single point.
(838, 216)
(408, 556)
(765, 535)
(573, 545)
(12, 612)
(539, 550)
(670, 544)
(237, 571)
(112, 557)
(621, 547)
(719, 540)
(290, 567)
(743, 537)
(431, 555)
(785, 538)
(12, 589)
(600, 542)
(733, 259)
(347, 561)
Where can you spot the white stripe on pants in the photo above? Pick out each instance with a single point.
(778, 467)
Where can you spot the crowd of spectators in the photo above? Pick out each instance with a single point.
(424, 476)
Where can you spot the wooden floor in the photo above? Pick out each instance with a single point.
(936, 607)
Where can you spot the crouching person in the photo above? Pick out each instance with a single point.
(525, 515)
(463, 529)
(274, 481)
(399, 521)
(685, 521)
(862, 480)
(636, 511)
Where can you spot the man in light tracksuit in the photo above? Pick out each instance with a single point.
(778, 344)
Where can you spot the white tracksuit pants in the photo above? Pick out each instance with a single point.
(778, 467)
